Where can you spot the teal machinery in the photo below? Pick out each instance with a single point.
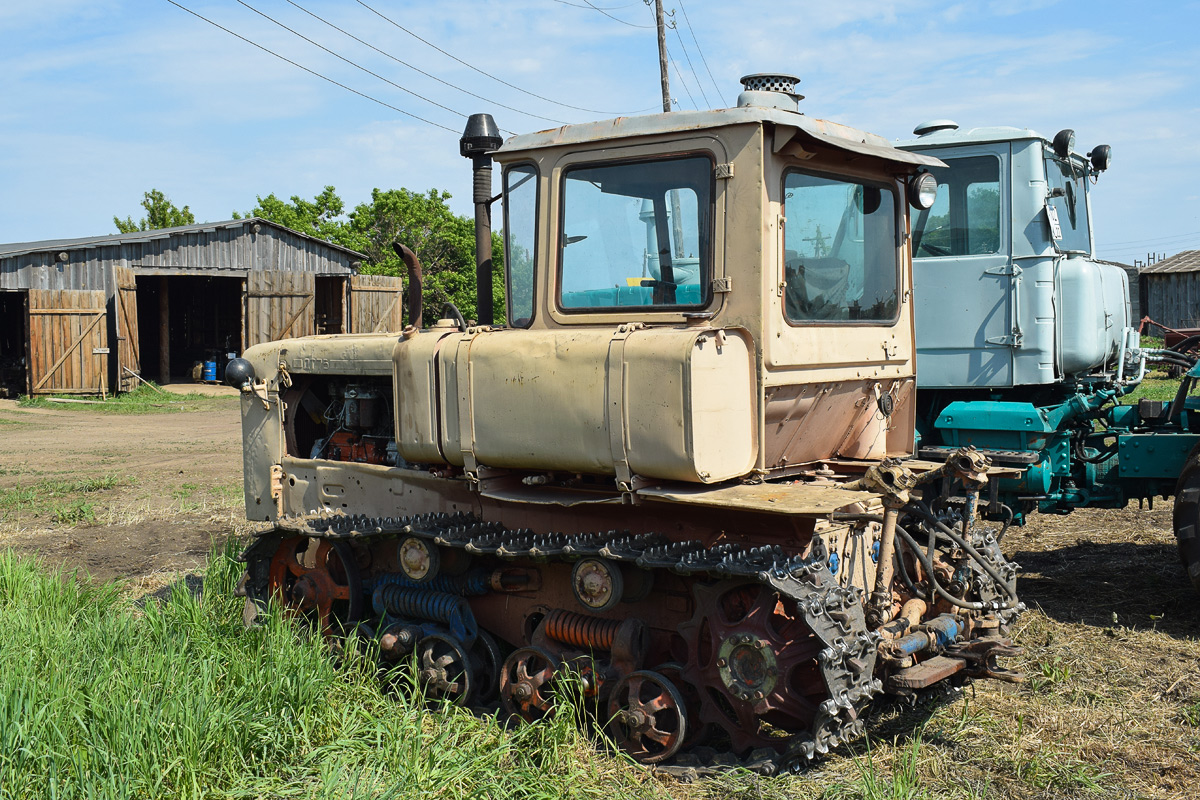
(1024, 340)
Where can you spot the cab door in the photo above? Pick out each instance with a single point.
(963, 273)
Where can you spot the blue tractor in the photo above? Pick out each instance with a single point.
(1024, 338)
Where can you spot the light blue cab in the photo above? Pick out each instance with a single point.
(1007, 291)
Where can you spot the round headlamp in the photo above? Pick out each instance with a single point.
(1064, 143)
(922, 190)
(1101, 157)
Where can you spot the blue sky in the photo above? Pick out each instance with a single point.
(101, 100)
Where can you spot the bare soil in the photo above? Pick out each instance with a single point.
(172, 485)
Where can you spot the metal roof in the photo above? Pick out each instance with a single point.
(675, 122)
(87, 242)
(1186, 261)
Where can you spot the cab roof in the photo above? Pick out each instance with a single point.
(985, 135)
(829, 133)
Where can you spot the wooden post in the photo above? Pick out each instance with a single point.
(164, 332)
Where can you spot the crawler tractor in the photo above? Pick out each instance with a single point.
(680, 480)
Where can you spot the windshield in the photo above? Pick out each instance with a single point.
(520, 234)
(636, 234)
(1066, 183)
(965, 218)
(840, 250)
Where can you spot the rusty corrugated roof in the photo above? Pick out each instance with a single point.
(1186, 261)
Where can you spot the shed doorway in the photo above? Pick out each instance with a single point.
(330, 298)
(14, 343)
(185, 321)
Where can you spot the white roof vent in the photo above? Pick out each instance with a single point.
(935, 125)
(770, 90)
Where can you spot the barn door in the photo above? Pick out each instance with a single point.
(68, 342)
(279, 305)
(376, 303)
(129, 359)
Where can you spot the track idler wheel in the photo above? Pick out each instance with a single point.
(445, 669)
(527, 683)
(317, 578)
(647, 717)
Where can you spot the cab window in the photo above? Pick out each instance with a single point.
(520, 236)
(965, 218)
(636, 234)
(840, 261)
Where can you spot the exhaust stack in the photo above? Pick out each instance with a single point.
(480, 139)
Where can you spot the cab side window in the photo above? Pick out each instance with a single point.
(965, 219)
(840, 261)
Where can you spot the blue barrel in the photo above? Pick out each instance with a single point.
(210, 370)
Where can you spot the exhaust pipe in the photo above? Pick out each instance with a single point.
(480, 139)
(413, 265)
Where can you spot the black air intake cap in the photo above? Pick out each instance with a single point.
(480, 137)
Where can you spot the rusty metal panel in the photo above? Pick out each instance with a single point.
(771, 498)
(128, 357)
(68, 342)
(279, 305)
(376, 303)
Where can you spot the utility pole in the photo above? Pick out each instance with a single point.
(676, 218)
(662, 55)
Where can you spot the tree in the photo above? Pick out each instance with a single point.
(321, 217)
(160, 213)
(442, 240)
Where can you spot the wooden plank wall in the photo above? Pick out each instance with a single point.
(127, 355)
(68, 342)
(279, 305)
(1173, 298)
(376, 303)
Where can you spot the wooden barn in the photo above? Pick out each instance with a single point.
(1170, 290)
(86, 316)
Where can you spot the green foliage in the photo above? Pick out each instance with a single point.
(322, 217)
(160, 213)
(443, 241)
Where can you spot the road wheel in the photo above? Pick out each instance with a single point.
(1186, 519)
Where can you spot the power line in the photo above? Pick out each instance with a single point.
(720, 94)
(348, 61)
(617, 19)
(423, 72)
(606, 8)
(682, 82)
(487, 74)
(699, 85)
(313, 72)
(1155, 239)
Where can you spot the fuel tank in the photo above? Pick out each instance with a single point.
(667, 403)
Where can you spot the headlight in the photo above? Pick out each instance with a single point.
(1064, 143)
(1101, 157)
(922, 190)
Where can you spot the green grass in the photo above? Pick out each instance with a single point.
(143, 400)
(1156, 386)
(69, 502)
(99, 699)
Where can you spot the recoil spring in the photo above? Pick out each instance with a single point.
(407, 602)
(579, 630)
